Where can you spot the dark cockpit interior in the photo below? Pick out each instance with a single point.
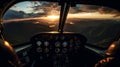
(59, 33)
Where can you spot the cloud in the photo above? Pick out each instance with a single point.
(88, 7)
(12, 14)
(93, 8)
(104, 10)
(45, 8)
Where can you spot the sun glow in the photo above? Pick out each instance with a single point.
(53, 17)
(91, 15)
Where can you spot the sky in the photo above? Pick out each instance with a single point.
(23, 6)
(52, 10)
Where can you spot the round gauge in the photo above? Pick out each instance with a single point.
(46, 43)
(57, 50)
(64, 50)
(38, 43)
(77, 42)
(46, 50)
(65, 44)
(57, 44)
(39, 49)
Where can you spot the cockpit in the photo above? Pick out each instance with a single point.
(60, 33)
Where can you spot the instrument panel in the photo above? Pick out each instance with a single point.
(57, 42)
(56, 49)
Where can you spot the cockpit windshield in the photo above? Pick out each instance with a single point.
(99, 24)
(27, 18)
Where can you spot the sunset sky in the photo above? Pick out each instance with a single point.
(52, 11)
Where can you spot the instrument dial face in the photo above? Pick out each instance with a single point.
(39, 49)
(39, 43)
(57, 50)
(64, 50)
(65, 44)
(46, 43)
(57, 44)
(77, 42)
(46, 50)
